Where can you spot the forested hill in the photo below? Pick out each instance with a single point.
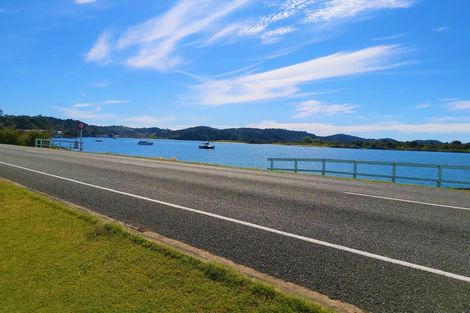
(68, 128)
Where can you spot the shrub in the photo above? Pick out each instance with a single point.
(21, 137)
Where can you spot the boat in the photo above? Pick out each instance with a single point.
(206, 145)
(99, 140)
(145, 143)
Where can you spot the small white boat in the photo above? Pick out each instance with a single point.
(145, 143)
(206, 145)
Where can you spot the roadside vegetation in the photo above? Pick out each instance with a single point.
(55, 258)
(21, 137)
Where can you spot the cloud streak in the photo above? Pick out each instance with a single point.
(297, 12)
(84, 1)
(147, 120)
(339, 9)
(422, 106)
(153, 44)
(100, 53)
(315, 107)
(459, 105)
(274, 35)
(286, 81)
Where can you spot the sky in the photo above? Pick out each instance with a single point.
(371, 68)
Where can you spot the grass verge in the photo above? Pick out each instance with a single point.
(55, 258)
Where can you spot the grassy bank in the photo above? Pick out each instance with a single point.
(55, 258)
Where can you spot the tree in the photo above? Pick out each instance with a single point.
(455, 142)
(1, 112)
(307, 140)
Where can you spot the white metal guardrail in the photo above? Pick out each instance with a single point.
(58, 144)
(355, 173)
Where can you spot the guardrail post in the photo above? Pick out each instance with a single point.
(394, 172)
(323, 167)
(355, 170)
(295, 165)
(439, 176)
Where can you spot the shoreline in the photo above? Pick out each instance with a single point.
(294, 144)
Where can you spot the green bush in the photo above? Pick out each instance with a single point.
(21, 137)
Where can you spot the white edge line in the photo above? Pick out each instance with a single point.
(409, 201)
(267, 229)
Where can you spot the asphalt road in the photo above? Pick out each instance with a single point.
(339, 237)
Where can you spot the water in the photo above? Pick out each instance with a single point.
(255, 156)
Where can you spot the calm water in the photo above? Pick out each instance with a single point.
(255, 156)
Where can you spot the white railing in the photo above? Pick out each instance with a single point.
(355, 172)
(58, 144)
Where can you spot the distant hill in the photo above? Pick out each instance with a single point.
(68, 128)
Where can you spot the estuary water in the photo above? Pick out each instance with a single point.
(255, 156)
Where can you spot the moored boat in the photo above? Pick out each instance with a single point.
(145, 143)
(206, 145)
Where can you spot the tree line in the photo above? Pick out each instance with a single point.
(22, 130)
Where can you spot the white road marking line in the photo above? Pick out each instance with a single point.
(409, 201)
(256, 226)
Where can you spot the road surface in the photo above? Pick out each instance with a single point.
(382, 247)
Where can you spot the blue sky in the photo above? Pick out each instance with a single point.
(373, 68)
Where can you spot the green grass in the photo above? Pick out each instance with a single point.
(55, 258)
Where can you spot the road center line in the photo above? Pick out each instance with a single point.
(256, 226)
(409, 201)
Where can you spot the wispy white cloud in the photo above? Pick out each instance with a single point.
(448, 99)
(246, 70)
(324, 129)
(422, 106)
(92, 111)
(298, 12)
(157, 42)
(315, 107)
(147, 120)
(96, 114)
(391, 37)
(83, 105)
(86, 112)
(100, 53)
(286, 9)
(459, 105)
(115, 101)
(157, 39)
(286, 81)
(339, 9)
(447, 119)
(274, 35)
(224, 32)
(441, 29)
(280, 53)
(84, 1)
